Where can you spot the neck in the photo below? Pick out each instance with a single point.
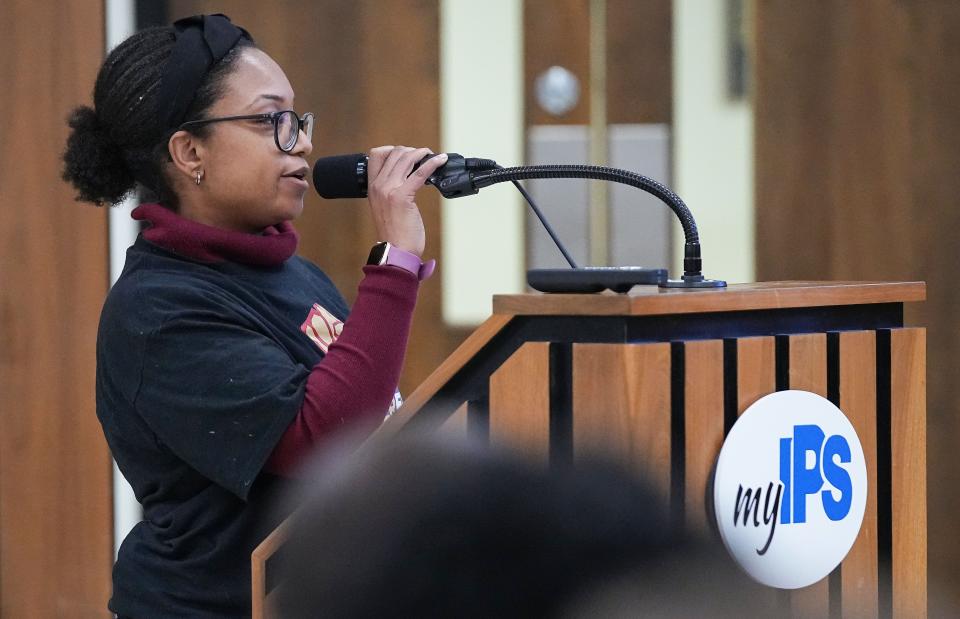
(204, 214)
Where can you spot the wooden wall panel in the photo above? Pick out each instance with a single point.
(372, 77)
(556, 32)
(858, 400)
(638, 48)
(520, 402)
(56, 539)
(639, 61)
(857, 142)
(621, 407)
(703, 428)
(908, 464)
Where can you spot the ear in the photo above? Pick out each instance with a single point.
(187, 153)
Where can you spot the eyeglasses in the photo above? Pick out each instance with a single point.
(286, 126)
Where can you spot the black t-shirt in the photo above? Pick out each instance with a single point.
(200, 369)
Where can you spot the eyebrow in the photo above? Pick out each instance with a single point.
(270, 97)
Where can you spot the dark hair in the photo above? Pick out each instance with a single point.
(434, 527)
(121, 141)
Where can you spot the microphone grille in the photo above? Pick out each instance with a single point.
(341, 176)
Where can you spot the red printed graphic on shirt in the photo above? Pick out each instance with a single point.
(322, 327)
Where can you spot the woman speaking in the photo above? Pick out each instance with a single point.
(222, 358)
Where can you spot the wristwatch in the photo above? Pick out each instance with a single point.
(384, 253)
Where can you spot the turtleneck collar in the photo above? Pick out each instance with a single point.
(205, 243)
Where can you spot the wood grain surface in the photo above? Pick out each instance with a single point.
(857, 147)
(639, 58)
(456, 424)
(520, 402)
(858, 401)
(908, 430)
(756, 370)
(56, 537)
(650, 300)
(808, 371)
(621, 407)
(703, 428)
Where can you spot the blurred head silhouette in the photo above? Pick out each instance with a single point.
(440, 527)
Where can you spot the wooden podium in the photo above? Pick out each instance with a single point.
(656, 378)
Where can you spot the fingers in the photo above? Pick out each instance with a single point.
(396, 160)
(393, 159)
(375, 158)
(416, 180)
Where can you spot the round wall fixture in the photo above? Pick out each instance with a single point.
(557, 90)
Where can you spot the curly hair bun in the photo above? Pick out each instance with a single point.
(93, 162)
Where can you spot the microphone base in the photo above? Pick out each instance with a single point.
(586, 280)
(694, 282)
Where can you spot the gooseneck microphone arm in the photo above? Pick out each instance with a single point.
(692, 263)
(345, 176)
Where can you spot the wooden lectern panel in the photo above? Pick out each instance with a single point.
(456, 424)
(703, 427)
(756, 370)
(655, 378)
(808, 371)
(520, 401)
(858, 400)
(908, 463)
(621, 407)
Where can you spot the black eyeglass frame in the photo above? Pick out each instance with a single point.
(273, 116)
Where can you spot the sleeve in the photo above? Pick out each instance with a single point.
(355, 382)
(216, 391)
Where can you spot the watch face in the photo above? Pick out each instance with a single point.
(377, 253)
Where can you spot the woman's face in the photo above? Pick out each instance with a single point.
(248, 183)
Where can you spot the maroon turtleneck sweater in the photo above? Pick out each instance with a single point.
(368, 352)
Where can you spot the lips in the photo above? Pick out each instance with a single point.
(299, 173)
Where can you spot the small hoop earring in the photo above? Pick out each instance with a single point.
(199, 176)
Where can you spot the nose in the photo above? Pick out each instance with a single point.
(304, 145)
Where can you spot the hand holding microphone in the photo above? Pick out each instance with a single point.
(392, 185)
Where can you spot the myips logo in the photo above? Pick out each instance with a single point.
(790, 489)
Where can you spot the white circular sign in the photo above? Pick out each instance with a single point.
(790, 489)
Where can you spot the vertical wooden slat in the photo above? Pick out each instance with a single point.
(456, 424)
(756, 377)
(520, 401)
(858, 400)
(808, 372)
(908, 391)
(703, 428)
(621, 407)
(756, 370)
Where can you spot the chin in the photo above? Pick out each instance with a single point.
(288, 211)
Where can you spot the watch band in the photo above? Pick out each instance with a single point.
(386, 254)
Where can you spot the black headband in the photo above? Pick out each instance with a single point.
(202, 41)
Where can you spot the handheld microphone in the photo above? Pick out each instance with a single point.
(345, 176)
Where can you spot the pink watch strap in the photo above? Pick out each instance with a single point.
(411, 262)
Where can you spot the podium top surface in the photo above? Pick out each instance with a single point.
(652, 300)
